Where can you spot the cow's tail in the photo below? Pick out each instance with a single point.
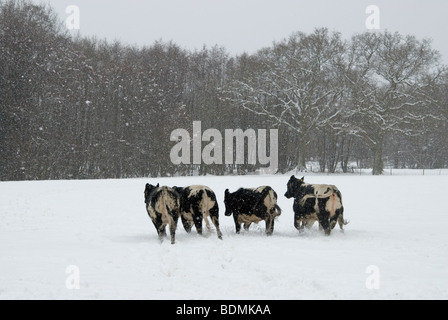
(169, 205)
(275, 209)
(164, 207)
(205, 208)
(278, 210)
(343, 221)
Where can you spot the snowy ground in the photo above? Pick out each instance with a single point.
(395, 247)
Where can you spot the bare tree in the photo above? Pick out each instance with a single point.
(295, 83)
(388, 77)
(88, 108)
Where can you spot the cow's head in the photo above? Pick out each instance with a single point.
(228, 203)
(293, 186)
(148, 189)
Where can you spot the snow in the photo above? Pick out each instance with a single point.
(396, 238)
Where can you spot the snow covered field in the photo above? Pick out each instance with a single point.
(395, 247)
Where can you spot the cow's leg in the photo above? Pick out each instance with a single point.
(247, 225)
(333, 222)
(207, 223)
(341, 219)
(198, 223)
(298, 223)
(155, 225)
(186, 223)
(325, 223)
(237, 223)
(162, 232)
(214, 215)
(173, 233)
(338, 217)
(298, 215)
(269, 226)
(173, 227)
(309, 222)
(156, 219)
(215, 222)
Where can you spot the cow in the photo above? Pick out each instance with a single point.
(316, 202)
(163, 207)
(197, 203)
(252, 206)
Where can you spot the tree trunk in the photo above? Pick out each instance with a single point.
(322, 147)
(377, 149)
(302, 155)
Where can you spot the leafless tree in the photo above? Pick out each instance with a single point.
(295, 84)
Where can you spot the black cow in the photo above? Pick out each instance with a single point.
(252, 206)
(197, 203)
(163, 207)
(315, 202)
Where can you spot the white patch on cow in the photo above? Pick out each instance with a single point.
(246, 218)
(270, 202)
(307, 221)
(321, 191)
(151, 212)
(333, 204)
(195, 189)
(316, 205)
(166, 201)
(206, 204)
(188, 215)
(259, 189)
(160, 205)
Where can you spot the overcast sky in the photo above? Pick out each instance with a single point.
(249, 25)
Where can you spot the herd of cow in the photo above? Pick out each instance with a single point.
(193, 204)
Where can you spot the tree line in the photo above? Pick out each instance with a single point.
(77, 107)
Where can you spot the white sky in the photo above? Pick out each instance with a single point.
(249, 25)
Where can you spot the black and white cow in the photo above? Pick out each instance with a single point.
(252, 206)
(197, 203)
(315, 202)
(163, 207)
